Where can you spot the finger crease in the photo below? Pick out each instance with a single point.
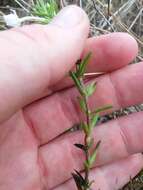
(116, 92)
(31, 126)
(124, 137)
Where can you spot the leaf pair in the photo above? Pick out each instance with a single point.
(90, 89)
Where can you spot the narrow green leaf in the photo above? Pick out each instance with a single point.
(86, 164)
(102, 109)
(81, 146)
(93, 156)
(82, 65)
(90, 89)
(77, 82)
(94, 121)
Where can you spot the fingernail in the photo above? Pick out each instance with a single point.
(69, 17)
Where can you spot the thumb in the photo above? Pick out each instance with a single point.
(35, 57)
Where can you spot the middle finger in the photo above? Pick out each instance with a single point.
(54, 114)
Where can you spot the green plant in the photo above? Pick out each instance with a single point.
(91, 117)
(45, 9)
(41, 11)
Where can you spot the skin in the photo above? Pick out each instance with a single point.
(38, 102)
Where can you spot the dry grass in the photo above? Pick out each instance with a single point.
(121, 16)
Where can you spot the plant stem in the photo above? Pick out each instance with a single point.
(91, 118)
(87, 135)
(86, 139)
(85, 91)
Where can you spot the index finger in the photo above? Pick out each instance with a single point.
(109, 52)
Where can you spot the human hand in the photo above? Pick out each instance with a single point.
(38, 103)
